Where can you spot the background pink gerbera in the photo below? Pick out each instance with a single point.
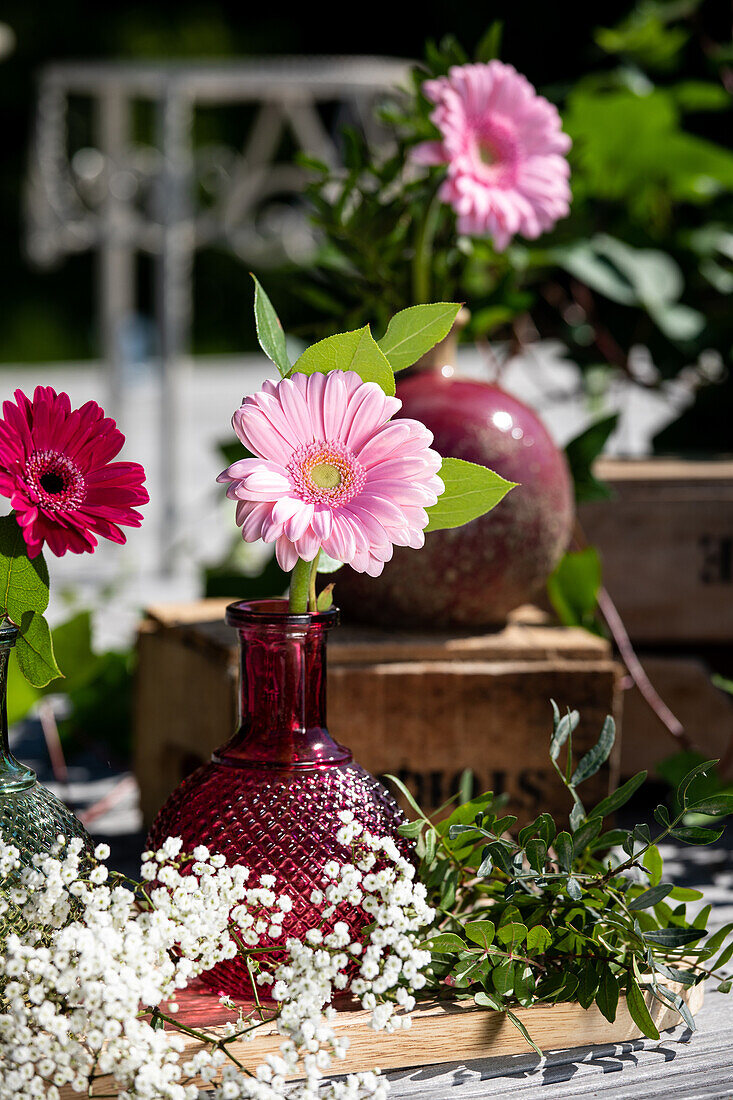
(332, 471)
(504, 148)
(56, 468)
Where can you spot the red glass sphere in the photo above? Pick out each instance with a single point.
(476, 574)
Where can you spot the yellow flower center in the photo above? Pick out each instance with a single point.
(325, 475)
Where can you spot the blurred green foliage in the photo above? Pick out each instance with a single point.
(97, 687)
(645, 257)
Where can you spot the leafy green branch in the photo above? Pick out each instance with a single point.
(578, 914)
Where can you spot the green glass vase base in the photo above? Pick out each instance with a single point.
(31, 817)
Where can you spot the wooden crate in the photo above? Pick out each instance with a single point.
(441, 1032)
(685, 684)
(666, 540)
(421, 706)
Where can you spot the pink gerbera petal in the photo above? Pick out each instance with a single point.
(332, 471)
(504, 149)
(59, 477)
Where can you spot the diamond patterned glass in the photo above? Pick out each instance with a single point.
(270, 798)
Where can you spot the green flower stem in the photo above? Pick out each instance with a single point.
(299, 587)
(312, 583)
(423, 253)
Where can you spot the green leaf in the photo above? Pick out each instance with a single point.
(716, 806)
(431, 845)
(511, 935)
(619, 797)
(34, 650)
(324, 602)
(588, 984)
(445, 944)
(538, 940)
(701, 769)
(563, 727)
(685, 893)
(693, 834)
(489, 46)
(407, 796)
(650, 897)
(607, 995)
(411, 829)
(486, 866)
(674, 999)
(546, 828)
(639, 1011)
(685, 977)
(270, 331)
(718, 938)
(536, 850)
(585, 835)
(724, 958)
(502, 977)
(488, 1000)
(596, 757)
(327, 564)
(573, 888)
(701, 918)
(653, 863)
(357, 351)
(673, 937)
(23, 580)
(470, 491)
(582, 452)
(480, 932)
(608, 840)
(573, 587)
(72, 646)
(564, 849)
(523, 1031)
(414, 331)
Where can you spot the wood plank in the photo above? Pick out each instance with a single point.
(529, 635)
(706, 712)
(666, 542)
(660, 470)
(441, 1032)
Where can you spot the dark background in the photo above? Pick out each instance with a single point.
(50, 314)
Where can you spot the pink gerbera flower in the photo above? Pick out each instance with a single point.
(504, 148)
(332, 471)
(55, 465)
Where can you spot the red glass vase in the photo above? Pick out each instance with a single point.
(270, 798)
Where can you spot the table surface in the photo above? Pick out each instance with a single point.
(679, 1066)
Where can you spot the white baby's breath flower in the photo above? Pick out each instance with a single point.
(74, 980)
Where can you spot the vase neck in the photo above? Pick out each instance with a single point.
(283, 689)
(14, 776)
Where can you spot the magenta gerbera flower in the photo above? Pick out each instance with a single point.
(504, 148)
(332, 471)
(56, 468)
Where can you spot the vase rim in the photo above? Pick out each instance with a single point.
(276, 612)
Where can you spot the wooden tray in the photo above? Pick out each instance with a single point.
(440, 1032)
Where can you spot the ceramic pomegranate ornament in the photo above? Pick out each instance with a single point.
(476, 574)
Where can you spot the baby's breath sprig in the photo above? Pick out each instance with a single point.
(91, 970)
